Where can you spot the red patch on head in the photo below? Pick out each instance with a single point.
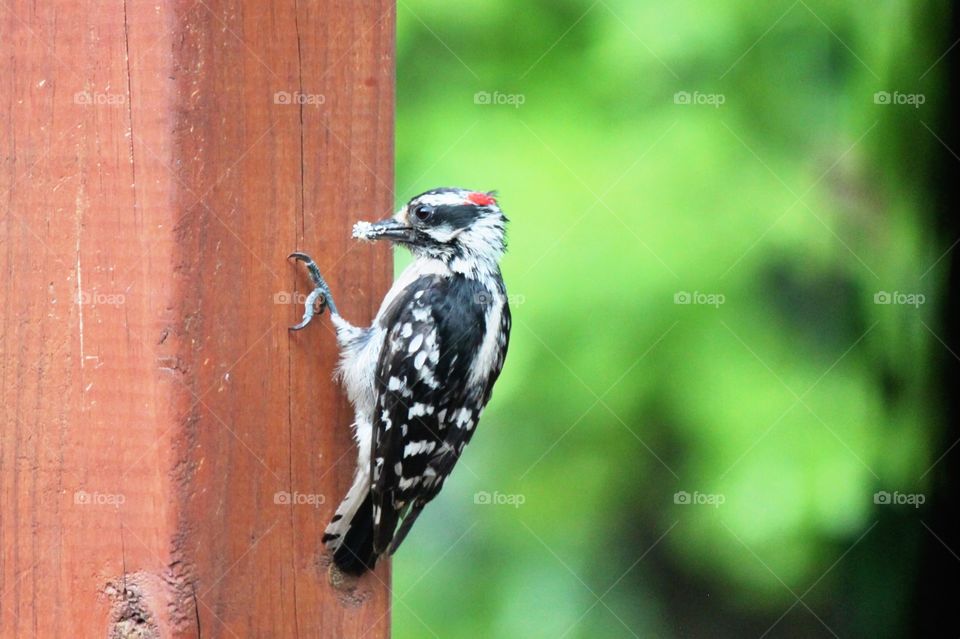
(481, 199)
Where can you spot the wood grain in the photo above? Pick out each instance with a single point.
(159, 161)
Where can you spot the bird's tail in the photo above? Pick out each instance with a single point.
(349, 536)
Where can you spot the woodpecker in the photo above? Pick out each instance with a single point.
(420, 375)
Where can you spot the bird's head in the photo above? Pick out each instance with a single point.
(447, 223)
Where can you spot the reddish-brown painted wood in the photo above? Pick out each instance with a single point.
(153, 178)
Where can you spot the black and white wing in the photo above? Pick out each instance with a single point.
(427, 408)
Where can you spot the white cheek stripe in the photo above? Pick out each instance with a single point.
(444, 233)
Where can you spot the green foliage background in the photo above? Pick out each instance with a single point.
(797, 200)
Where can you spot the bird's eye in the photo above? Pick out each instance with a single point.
(423, 212)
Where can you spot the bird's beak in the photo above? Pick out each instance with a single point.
(388, 229)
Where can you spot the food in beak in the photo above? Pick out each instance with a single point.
(388, 228)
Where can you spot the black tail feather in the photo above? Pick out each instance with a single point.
(408, 520)
(355, 555)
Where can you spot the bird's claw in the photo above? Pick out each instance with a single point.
(319, 298)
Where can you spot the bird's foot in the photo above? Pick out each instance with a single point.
(319, 298)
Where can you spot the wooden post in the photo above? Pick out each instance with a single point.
(169, 453)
